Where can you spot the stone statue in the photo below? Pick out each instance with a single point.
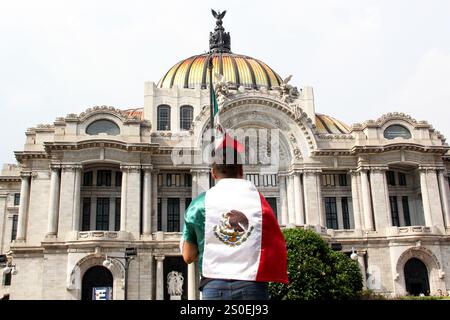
(221, 87)
(175, 283)
(286, 91)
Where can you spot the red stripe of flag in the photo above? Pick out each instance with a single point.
(273, 258)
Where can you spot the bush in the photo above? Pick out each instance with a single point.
(316, 272)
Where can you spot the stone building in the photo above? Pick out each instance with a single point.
(90, 185)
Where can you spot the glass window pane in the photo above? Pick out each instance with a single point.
(86, 218)
(331, 213)
(102, 216)
(103, 126)
(396, 131)
(163, 115)
(16, 199)
(186, 117)
(173, 215)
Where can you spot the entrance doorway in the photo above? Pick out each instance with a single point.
(416, 277)
(96, 277)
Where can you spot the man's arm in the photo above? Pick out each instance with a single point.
(190, 252)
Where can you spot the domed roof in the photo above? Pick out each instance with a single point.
(327, 124)
(237, 69)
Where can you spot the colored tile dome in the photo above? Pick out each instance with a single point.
(327, 124)
(237, 69)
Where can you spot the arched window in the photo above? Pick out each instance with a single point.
(163, 115)
(186, 115)
(103, 126)
(396, 131)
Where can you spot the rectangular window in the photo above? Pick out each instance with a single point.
(86, 218)
(406, 213)
(160, 180)
(272, 201)
(253, 178)
(159, 214)
(328, 180)
(7, 277)
(173, 214)
(102, 216)
(87, 179)
(118, 181)
(168, 180)
(103, 178)
(394, 211)
(187, 202)
(345, 213)
(390, 175)
(187, 180)
(163, 121)
(331, 213)
(14, 227)
(117, 214)
(269, 180)
(342, 180)
(16, 199)
(401, 179)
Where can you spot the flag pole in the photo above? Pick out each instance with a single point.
(211, 103)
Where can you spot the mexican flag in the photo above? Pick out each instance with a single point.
(242, 239)
(222, 138)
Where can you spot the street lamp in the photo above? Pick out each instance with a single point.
(354, 255)
(7, 265)
(129, 255)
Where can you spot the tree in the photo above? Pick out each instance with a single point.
(316, 272)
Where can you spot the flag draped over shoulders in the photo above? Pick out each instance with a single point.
(241, 237)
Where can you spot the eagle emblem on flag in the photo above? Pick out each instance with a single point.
(233, 228)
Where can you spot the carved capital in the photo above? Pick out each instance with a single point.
(55, 166)
(427, 169)
(159, 258)
(311, 171)
(71, 167)
(130, 168)
(148, 167)
(380, 169)
(26, 174)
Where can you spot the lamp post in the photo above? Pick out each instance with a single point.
(354, 255)
(130, 253)
(7, 266)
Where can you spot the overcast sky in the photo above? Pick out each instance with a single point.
(363, 58)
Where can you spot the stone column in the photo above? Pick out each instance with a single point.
(155, 200)
(194, 188)
(356, 200)
(283, 199)
(132, 203)
(312, 188)
(147, 202)
(432, 207)
(202, 180)
(298, 197)
(23, 206)
(77, 200)
(69, 201)
(445, 196)
(362, 267)
(380, 198)
(192, 282)
(366, 201)
(123, 199)
(159, 277)
(53, 201)
(291, 199)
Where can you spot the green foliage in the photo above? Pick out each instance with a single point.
(316, 272)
